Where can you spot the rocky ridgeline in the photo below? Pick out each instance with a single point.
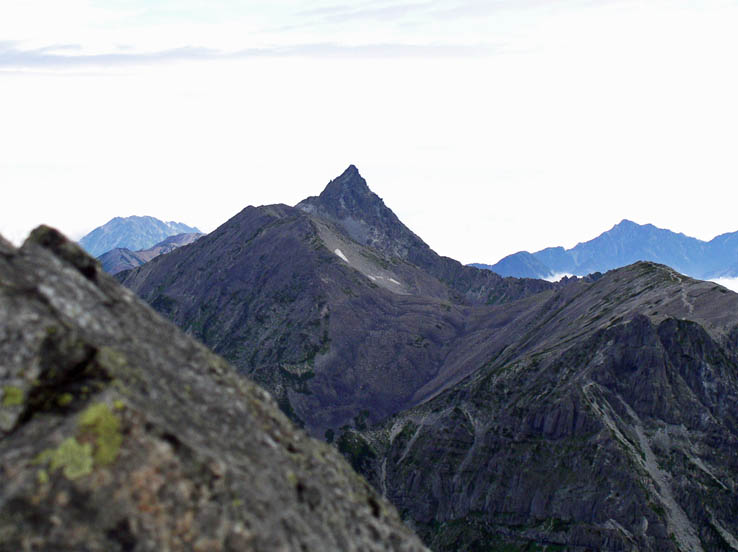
(119, 432)
(620, 438)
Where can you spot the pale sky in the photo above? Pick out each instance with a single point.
(487, 126)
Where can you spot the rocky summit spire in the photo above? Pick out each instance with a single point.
(345, 196)
(348, 201)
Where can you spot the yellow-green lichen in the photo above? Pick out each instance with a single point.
(12, 396)
(73, 458)
(104, 426)
(43, 477)
(119, 404)
(65, 399)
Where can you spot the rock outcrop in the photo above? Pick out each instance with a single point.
(119, 432)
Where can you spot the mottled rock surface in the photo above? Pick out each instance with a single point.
(119, 432)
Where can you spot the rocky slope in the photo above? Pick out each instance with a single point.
(611, 424)
(626, 243)
(337, 329)
(120, 259)
(119, 432)
(596, 413)
(133, 233)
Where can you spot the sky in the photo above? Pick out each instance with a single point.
(488, 127)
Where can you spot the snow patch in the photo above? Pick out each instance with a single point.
(340, 254)
(395, 281)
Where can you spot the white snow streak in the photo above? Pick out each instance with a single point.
(340, 254)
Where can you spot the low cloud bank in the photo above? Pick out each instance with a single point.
(730, 283)
(558, 276)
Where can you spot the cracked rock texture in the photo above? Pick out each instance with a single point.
(119, 432)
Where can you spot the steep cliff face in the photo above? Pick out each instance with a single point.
(119, 432)
(617, 437)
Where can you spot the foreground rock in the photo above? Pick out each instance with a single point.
(118, 432)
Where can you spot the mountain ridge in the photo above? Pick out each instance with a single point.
(625, 243)
(439, 382)
(120, 259)
(133, 233)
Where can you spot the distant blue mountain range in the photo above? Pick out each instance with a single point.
(626, 243)
(134, 233)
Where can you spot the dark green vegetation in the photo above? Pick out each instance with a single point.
(495, 413)
(624, 244)
(120, 433)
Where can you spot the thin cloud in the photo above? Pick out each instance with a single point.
(12, 57)
(54, 57)
(469, 9)
(383, 12)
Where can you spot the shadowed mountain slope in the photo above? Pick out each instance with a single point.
(120, 433)
(334, 328)
(611, 424)
(362, 215)
(596, 413)
(120, 259)
(626, 243)
(133, 233)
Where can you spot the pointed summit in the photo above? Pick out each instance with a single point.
(348, 202)
(344, 196)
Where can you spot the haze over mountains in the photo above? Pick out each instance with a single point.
(626, 243)
(133, 233)
(591, 413)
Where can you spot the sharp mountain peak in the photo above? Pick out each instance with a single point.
(348, 202)
(348, 195)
